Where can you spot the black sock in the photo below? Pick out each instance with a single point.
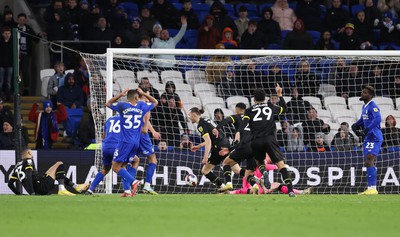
(251, 180)
(242, 171)
(227, 173)
(261, 168)
(69, 182)
(60, 174)
(286, 179)
(214, 179)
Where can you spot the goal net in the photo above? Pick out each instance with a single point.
(317, 85)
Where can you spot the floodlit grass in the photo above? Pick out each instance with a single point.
(200, 215)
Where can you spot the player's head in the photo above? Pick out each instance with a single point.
(195, 114)
(367, 93)
(26, 153)
(132, 95)
(240, 108)
(259, 96)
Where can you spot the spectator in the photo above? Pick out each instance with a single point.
(364, 29)
(170, 89)
(242, 22)
(394, 87)
(275, 75)
(119, 19)
(190, 14)
(283, 14)
(85, 21)
(5, 113)
(56, 5)
(109, 11)
(166, 14)
(6, 63)
(162, 146)
(228, 84)
(221, 18)
(377, 77)
(145, 85)
(269, 27)
(298, 38)
(313, 125)
(392, 6)
(306, 81)
(208, 34)
(101, 32)
(325, 42)
(339, 73)
(391, 133)
(7, 137)
(252, 38)
(295, 139)
(389, 31)
(46, 129)
(219, 115)
(95, 14)
(157, 28)
(336, 17)
(82, 78)
(166, 42)
(148, 21)
(145, 63)
(319, 145)
(58, 29)
(348, 39)
(216, 73)
(55, 82)
(283, 133)
(70, 94)
(169, 118)
(87, 130)
(310, 12)
(371, 11)
(352, 85)
(343, 142)
(346, 127)
(25, 52)
(227, 39)
(250, 77)
(72, 13)
(297, 107)
(8, 18)
(185, 142)
(134, 33)
(118, 42)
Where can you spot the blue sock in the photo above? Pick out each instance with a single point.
(132, 171)
(150, 172)
(371, 176)
(99, 177)
(127, 179)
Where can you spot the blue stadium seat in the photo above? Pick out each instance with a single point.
(73, 120)
(229, 8)
(323, 12)
(131, 8)
(177, 5)
(293, 5)
(316, 35)
(356, 8)
(202, 10)
(284, 34)
(251, 9)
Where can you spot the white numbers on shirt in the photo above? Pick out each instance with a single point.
(115, 127)
(128, 121)
(266, 111)
(370, 145)
(247, 128)
(18, 170)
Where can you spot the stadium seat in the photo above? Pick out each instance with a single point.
(159, 87)
(262, 6)
(187, 99)
(327, 90)
(152, 76)
(344, 116)
(233, 100)
(394, 113)
(177, 5)
(125, 82)
(354, 101)
(116, 89)
(69, 71)
(314, 101)
(183, 88)
(204, 87)
(124, 74)
(325, 115)
(202, 10)
(287, 98)
(398, 102)
(266, 99)
(43, 88)
(229, 9)
(211, 108)
(171, 75)
(316, 35)
(48, 72)
(205, 94)
(251, 9)
(384, 103)
(284, 34)
(356, 9)
(193, 77)
(130, 8)
(214, 100)
(333, 100)
(73, 121)
(323, 12)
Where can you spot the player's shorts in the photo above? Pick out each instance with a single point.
(269, 145)
(244, 152)
(43, 185)
(124, 151)
(108, 154)
(372, 147)
(214, 158)
(145, 145)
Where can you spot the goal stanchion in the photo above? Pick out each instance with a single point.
(216, 80)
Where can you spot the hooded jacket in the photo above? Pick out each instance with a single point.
(228, 43)
(298, 39)
(68, 95)
(270, 28)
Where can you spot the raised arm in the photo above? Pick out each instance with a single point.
(115, 98)
(148, 96)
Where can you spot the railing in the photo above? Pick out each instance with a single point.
(62, 44)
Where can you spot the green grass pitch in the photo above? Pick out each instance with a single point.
(200, 215)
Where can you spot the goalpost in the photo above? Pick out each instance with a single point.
(218, 79)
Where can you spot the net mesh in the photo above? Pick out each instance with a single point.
(329, 84)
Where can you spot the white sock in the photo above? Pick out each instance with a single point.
(228, 183)
(128, 191)
(61, 187)
(372, 187)
(147, 185)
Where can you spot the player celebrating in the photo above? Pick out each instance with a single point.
(261, 120)
(369, 123)
(131, 121)
(25, 173)
(212, 145)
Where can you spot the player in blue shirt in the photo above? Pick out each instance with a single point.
(131, 122)
(369, 126)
